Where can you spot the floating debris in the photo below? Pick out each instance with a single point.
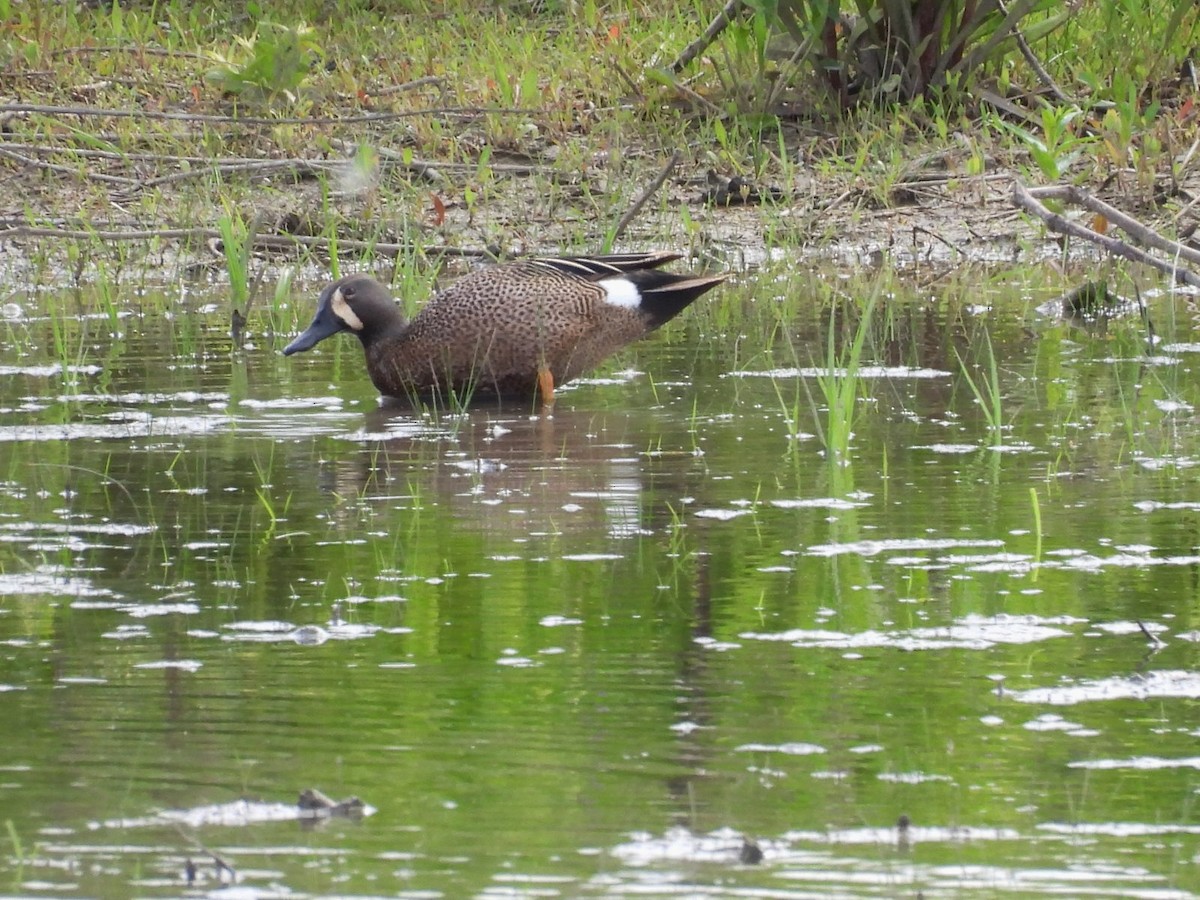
(315, 804)
(751, 854)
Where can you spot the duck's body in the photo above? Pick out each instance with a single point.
(506, 330)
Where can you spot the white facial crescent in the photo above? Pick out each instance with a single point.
(342, 310)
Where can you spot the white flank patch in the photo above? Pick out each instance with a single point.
(621, 292)
(342, 310)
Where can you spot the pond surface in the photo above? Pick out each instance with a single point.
(593, 653)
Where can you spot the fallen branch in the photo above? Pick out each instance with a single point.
(66, 170)
(1070, 194)
(629, 82)
(357, 119)
(131, 234)
(649, 192)
(208, 164)
(263, 241)
(1030, 200)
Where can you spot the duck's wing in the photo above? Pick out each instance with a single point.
(593, 268)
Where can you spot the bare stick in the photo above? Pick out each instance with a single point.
(422, 167)
(919, 229)
(1068, 193)
(699, 99)
(715, 27)
(66, 170)
(407, 86)
(624, 76)
(253, 167)
(1034, 63)
(140, 51)
(649, 192)
(147, 234)
(1026, 200)
(218, 861)
(1005, 106)
(1150, 635)
(261, 120)
(266, 241)
(291, 241)
(232, 163)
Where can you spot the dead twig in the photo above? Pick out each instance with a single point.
(649, 192)
(702, 43)
(294, 167)
(1030, 200)
(264, 241)
(407, 86)
(1034, 63)
(424, 167)
(355, 119)
(920, 229)
(1155, 641)
(131, 234)
(66, 170)
(625, 77)
(915, 182)
(221, 865)
(141, 51)
(1004, 106)
(233, 163)
(89, 153)
(699, 100)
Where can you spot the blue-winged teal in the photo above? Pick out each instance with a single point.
(508, 329)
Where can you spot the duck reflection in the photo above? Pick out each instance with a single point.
(496, 470)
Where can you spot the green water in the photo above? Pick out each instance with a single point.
(587, 654)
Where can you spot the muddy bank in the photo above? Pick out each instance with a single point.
(160, 211)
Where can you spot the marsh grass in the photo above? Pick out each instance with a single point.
(841, 385)
(274, 62)
(1036, 507)
(18, 849)
(582, 79)
(985, 386)
(237, 242)
(284, 314)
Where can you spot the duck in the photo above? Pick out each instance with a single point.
(514, 329)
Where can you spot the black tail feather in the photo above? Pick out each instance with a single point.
(665, 295)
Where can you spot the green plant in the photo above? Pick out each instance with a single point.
(18, 849)
(1128, 135)
(236, 240)
(1058, 146)
(283, 315)
(840, 382)
(987, 391)
(897, 49)
(1037, 529)
(274, 62)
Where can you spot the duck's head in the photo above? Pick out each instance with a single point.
(357, 303)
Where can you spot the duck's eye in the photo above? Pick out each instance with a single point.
(348, 293)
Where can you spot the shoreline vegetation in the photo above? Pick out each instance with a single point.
(968, 133)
